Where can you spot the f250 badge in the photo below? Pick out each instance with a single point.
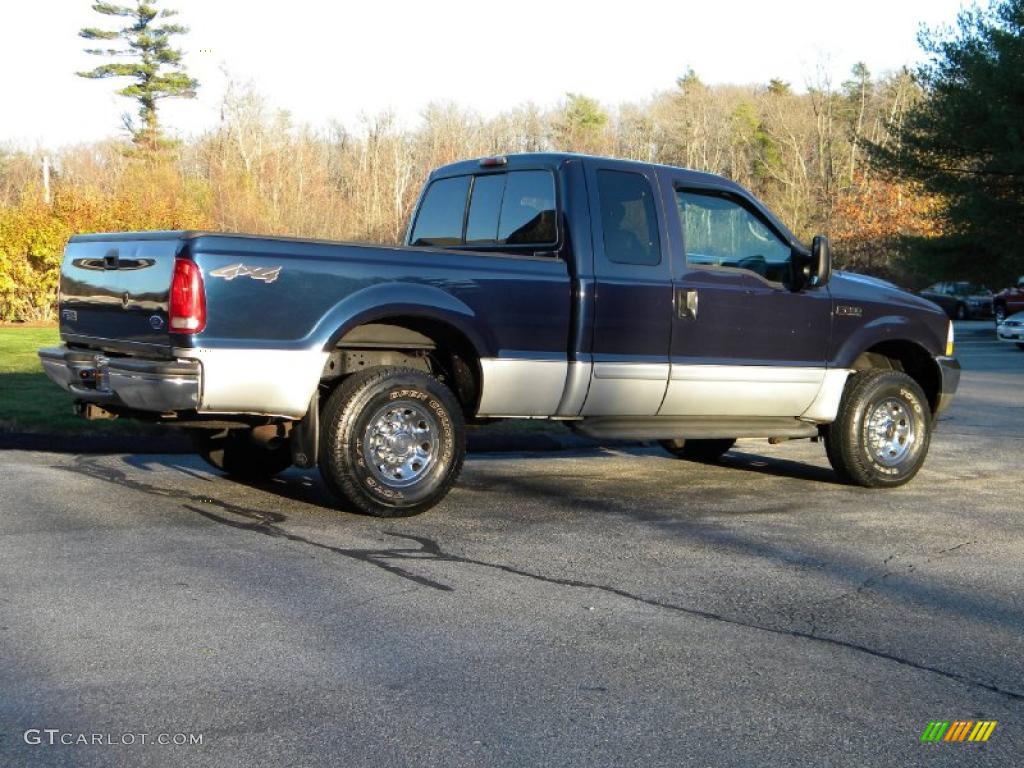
(230, 272)
(848, 310)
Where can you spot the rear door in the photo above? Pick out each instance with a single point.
(633, 301)
(743, 342)
(114, 291)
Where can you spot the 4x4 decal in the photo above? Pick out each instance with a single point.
(230, 272)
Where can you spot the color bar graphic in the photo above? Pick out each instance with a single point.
(982, 730)
(935, 730)
(958, 730)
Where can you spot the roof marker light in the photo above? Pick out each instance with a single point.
(492, 162)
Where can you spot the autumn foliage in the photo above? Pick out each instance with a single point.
(256, 171)
(873, 220)
(146, 195)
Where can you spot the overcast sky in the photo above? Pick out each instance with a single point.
(325, 60)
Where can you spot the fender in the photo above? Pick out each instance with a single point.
(884, 328)
(383, 300)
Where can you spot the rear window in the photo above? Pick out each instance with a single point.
(528, 209)
(439, 221)
(515, 208)
(482, 224)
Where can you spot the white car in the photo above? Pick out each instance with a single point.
(1012, 329)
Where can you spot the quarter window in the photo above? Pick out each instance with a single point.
(720, 232)
(629, 223)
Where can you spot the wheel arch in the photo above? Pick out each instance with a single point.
(413, 319)
(440, 346)
(384, 301)
(909, 357)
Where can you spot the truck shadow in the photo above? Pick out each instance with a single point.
(776, 467)
(734, 459)
(397, 558)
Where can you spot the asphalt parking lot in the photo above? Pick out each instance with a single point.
(609, 607)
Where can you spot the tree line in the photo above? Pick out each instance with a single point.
(848, 159)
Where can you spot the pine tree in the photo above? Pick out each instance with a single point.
(965, 143)
(153, 65)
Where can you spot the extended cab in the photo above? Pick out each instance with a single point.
(629, 300)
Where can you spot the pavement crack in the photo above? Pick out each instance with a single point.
(378, 557)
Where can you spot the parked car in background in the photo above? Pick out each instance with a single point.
(1009, 301)
(961, 300)
(1011, 329)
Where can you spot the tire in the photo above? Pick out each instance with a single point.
(706, 451)
(232, 451)
(873, 401)
(999, 313)
(392, 441)
(1019, 345)
(960, 313)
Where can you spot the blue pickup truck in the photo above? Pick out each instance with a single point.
(628, 300)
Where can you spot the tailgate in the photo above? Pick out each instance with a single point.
(114, 291)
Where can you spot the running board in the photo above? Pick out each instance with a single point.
(691, 427)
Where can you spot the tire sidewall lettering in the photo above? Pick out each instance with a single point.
(444, 463)
(910, 399)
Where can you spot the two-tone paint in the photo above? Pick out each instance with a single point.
(566, 333)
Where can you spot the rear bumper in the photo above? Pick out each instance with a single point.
(159, 386)
(949, 380)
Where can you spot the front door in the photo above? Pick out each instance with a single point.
(633, 298)
(743, 342)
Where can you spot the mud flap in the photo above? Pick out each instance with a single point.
(305, 436)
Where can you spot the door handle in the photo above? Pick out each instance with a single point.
(686, 303)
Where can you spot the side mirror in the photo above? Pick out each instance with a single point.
(820, 267)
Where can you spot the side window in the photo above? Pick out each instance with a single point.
(514, 208)
(439, 220)
(720, 232)
(629, 224)
(528, 209)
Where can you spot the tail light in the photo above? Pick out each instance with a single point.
(188, 299)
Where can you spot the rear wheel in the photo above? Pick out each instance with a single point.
(1019, 345)
(961, 312)
(392, 441)
(235, 452)
(698, 450)
(1000, 313)
(881, 433)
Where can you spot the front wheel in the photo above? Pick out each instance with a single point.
(705, 451)
(881, 433)
(392, 441)
(1000, 314)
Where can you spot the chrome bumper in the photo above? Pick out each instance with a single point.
(144, 385)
